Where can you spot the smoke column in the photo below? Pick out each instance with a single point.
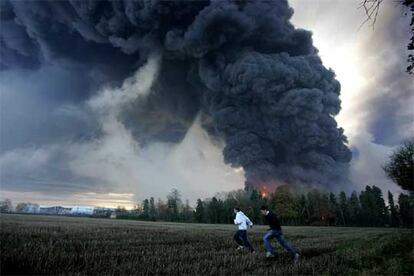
(256, 82)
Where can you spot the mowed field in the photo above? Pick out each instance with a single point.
(73, 246)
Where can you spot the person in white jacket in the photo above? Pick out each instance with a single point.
(243, 222)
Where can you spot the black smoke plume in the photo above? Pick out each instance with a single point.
(256, 81)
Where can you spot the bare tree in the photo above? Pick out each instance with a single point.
(372, 8)
(6, 206)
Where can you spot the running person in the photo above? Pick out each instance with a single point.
(275, 231)
(242, 221)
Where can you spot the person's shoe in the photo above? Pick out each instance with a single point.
(240, 248)
(296, 259)
(269, 255)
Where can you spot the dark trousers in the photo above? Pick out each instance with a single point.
(241, 238)
(278, 234)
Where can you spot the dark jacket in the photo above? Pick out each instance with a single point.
(273, 221)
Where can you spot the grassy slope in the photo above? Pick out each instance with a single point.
(61, 245)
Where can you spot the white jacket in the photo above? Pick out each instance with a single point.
(242, 221)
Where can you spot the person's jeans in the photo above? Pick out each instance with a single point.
(241, 239)
(278, 234)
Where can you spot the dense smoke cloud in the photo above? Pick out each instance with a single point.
(256, 81)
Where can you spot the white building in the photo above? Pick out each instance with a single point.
(82, 210)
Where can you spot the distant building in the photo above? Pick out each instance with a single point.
(82, 210)
(64, 211)
(51, 210)
(102, 212)
(32, 208)
(113, 215)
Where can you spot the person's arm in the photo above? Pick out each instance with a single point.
(266, 220)
(249, 222)
(237, 220)
(273, 221)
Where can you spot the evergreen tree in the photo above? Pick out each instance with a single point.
(255, 203)
(213, 211)
(187, 212)
(162, 210)
(343, 209)
(145, 209)
(354, 210)
(222, 213)
(314, 207)
(334, 210)
(228, 206)
(326, 212)
(303, 210)
(381, 210)
(152, 209)
(368, 207)
(174, 204)
(373, 209)
(394, 221)
(199, 213)
(406, 203)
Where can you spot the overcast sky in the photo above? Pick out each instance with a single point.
(60, 146)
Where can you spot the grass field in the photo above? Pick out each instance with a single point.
(65, 245)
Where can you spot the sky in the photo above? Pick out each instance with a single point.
(61, 146)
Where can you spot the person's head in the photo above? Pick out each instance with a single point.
(264, 209)
(236, 209)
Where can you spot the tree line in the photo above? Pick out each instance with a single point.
(367, 208)
(317, 208)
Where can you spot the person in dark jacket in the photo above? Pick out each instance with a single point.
(275, 231)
